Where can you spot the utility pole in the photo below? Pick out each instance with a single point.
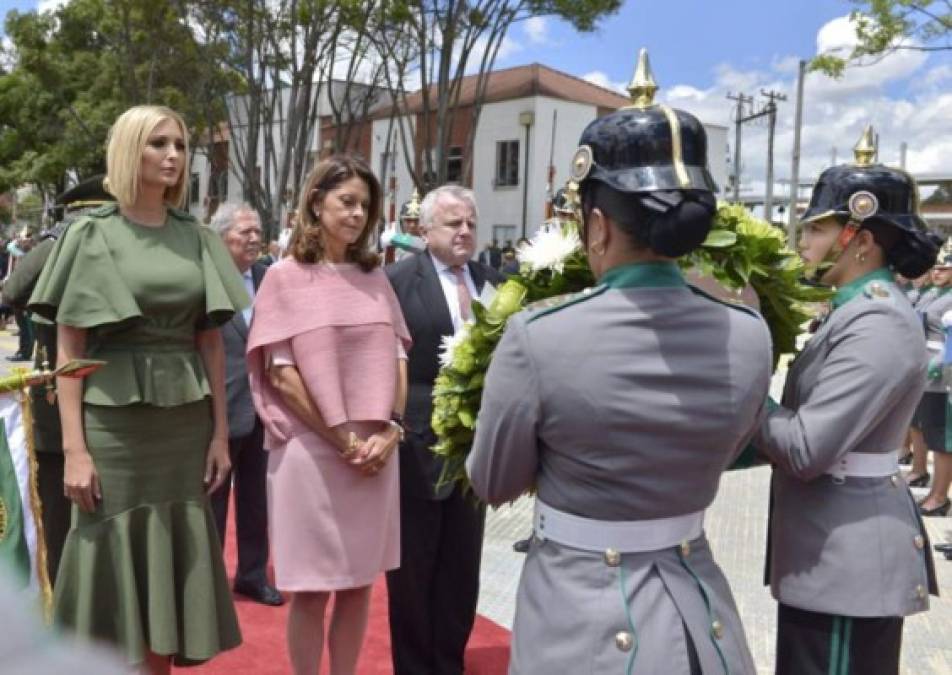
(795, 161)
(738, 121)
(771, 110)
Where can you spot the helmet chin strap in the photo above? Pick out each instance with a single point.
(815, 272)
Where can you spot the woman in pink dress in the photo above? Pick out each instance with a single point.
(327, 361)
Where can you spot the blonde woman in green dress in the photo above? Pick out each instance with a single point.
(141, 285)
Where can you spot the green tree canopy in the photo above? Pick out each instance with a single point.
(73, 70)
(885, 26)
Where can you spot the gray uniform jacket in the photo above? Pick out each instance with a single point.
(931, 308)
(625, 403)
(852, 546)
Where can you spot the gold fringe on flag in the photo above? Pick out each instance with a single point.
(36, 506)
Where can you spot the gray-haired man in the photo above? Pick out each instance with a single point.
(240, 228)
(433, 593)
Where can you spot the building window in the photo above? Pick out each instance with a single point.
(507, 163)
(454, 165)
(193, 190)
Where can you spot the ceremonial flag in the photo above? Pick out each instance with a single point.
(22, 545)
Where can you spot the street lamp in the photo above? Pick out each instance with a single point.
(526, 119)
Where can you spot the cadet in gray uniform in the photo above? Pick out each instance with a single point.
(847, 554)
(622, 406)
(930, 417)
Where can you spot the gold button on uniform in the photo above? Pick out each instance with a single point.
(717, 629)
(612, 557)
(919, 541)
(921, 591)
(624, 641)
(685, 548)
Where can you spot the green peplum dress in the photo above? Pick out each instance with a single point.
(145, 570)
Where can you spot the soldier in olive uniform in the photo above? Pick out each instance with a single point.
(847, 555)
(622, 406)
(47, 435)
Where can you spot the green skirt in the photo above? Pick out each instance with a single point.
(145, 570)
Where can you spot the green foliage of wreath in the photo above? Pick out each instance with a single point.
(739, 251)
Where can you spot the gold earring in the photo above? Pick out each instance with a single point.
(861, 257)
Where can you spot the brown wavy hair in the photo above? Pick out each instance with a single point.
(307, 239)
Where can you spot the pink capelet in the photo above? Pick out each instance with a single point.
(343, 325)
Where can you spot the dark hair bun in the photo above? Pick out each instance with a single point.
(683, 227)
(913, 254)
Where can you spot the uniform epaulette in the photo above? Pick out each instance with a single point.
(547, 306)
(104, 210)
(876, 290)
(733, 305)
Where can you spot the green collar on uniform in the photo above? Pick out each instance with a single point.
(644, 275)
(849, 291)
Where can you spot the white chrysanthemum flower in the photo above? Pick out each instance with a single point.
(449, 343)
(549, 249)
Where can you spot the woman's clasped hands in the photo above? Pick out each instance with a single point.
(368, 455)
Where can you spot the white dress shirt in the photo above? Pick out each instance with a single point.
(448, 283)
(250, 287)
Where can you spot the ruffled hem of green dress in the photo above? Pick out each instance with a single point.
(150, 578)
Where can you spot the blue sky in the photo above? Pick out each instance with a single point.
(701, 50)
(687, 38)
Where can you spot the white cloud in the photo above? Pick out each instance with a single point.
(49, 5)
(601, 79)
(835, 111)
(536, 29)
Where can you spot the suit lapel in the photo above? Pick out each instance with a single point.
(431, 293)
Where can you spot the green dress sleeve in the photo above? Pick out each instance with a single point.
(225, 291)
(80, 285)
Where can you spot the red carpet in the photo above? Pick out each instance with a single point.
(264, 651)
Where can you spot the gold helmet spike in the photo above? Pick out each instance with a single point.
(413, 206)
(643, 86)
(865, 149)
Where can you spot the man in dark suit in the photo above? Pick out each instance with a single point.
(240, 229)
(433, 594)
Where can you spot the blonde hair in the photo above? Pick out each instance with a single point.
(127, 140)
(307, 243)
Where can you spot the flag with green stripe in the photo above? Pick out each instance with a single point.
(18, 520)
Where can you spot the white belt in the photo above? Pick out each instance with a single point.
(866, 465)
(625, 536)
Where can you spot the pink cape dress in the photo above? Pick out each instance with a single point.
(332, 527)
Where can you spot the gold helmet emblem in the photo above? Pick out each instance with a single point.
(863, 204)
(582, 163)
